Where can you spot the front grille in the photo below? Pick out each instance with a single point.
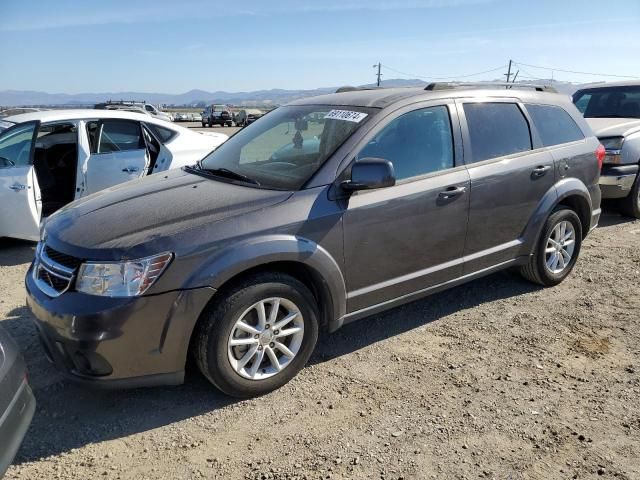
(54, 272)
(62, 258)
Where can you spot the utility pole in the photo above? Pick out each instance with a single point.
(508, 74)
(379, 65)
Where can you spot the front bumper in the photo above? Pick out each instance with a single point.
(118, 342)
(616, 181)
(14, 423)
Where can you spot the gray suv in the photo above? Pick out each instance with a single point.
(293, 227)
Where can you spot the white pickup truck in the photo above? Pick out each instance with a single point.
(51, 158)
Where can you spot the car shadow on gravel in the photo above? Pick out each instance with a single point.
(397, 321)
(15, 252)
(610, 217)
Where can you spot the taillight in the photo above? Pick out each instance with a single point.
(600, 154)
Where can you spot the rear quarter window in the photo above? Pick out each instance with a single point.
(164, 134)
(555, 126)
(496, 130)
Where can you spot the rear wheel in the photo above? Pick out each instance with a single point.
(630, 205)
(557, 249)
(258, 336)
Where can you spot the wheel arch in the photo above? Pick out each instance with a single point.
(569, 192)
(299, 257)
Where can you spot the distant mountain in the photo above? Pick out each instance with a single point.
(201, 97)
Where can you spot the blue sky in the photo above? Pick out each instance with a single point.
(172, 46)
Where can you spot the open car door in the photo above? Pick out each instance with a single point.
(118, 153)
(19, 195)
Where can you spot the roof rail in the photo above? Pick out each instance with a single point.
(452, 85)
(349, 88)
(124, 102)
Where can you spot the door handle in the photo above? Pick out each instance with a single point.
(17, 187)
(452, 192)
(130, 169)
(541, 170)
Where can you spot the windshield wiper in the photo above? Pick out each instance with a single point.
(225, 172)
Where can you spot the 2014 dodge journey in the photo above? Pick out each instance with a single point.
(322, 212)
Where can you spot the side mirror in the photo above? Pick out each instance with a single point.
(369, 174)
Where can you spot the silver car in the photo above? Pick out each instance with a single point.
(17, 402)
(612, 110)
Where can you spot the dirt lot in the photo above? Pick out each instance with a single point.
(494, 379)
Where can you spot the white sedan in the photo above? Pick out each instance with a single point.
(51, 158)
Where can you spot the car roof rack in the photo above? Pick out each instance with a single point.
(124, 102)
(348, 88)
(509, 85)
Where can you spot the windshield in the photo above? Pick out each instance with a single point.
(4, 124)
(623, 102)
(285, 148)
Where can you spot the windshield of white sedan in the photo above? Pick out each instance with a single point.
(609, 102)
(4, 124)
(283, 149)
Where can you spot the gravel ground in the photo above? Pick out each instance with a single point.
(494, 379)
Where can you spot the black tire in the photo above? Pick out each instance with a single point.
(630, 205)
(204, 124)
(536, 269)
(210, 347)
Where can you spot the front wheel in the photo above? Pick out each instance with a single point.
(557, 249)
(630, 205)
(258, 336)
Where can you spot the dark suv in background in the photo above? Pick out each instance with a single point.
(217, 115)
(613, 112)
(293, 226)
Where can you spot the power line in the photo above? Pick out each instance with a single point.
(552, 69)
(442, 77)
(528, 74)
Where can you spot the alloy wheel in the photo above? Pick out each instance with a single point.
(265, 338)
(561, 244)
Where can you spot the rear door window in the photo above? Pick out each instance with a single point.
(117, 136)
(554, 124)
(496, 130)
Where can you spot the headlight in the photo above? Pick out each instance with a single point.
(613, 146)
(121, 279)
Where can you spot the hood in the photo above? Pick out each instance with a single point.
(130, 217)
(613, 127)
(220, 138)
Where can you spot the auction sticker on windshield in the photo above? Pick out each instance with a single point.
(346, 115)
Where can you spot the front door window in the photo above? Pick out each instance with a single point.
(417, 143)
(15, 146)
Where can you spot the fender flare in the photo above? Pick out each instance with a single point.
(256, 252)
(561, 190)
